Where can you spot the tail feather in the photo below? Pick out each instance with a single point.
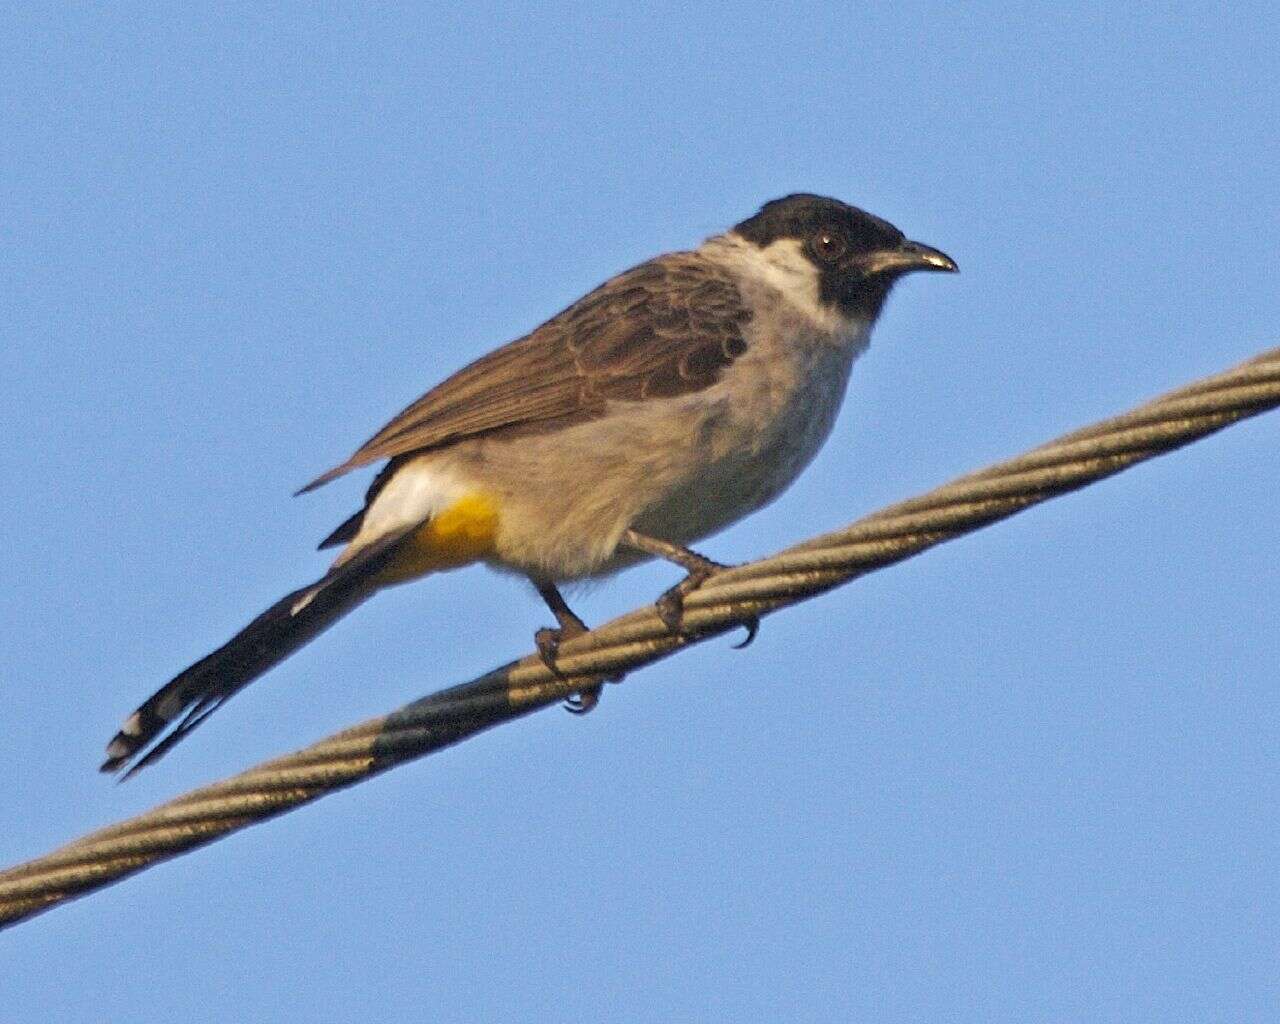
(349, 528)
(289, 624)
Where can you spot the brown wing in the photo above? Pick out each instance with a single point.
(665, 328)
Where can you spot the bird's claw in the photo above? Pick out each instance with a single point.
(548, 641)
(670, 606)
(583, 701)
(752, 626)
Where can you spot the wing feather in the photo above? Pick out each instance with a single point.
(665, 328)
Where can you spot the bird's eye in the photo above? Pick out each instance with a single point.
(829, 244)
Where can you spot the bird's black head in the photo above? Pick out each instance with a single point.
(858, 256)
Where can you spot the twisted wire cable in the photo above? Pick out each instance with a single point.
(728, 600)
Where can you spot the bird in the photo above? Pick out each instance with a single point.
(670, 402)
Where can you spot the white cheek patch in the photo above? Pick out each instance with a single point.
(783, 266)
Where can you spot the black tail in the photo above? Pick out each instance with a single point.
(193, 695)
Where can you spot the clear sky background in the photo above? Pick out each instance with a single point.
(1030, 776)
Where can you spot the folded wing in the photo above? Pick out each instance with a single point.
(665, 328)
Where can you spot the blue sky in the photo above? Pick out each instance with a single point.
(1027, 776)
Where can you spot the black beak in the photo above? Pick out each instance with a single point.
(909, 256)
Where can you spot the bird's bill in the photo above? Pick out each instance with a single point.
(911, 256)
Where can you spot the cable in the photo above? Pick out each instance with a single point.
(726, 601)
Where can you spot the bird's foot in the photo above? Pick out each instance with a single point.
(548, 641)
(670, 606)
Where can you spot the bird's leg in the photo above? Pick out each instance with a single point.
(549, 640)
(670, 605)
